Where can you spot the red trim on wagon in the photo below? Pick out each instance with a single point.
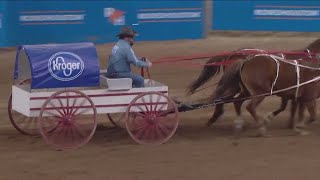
(97, 106)
(95, 95)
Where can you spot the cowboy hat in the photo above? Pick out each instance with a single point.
(127, 31)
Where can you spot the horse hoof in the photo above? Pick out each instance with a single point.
(304, 133)
(263, 132)
(235, 143)
(310, 121)
(268, 118)
(301, 132)
(263, 135)
(300, 125)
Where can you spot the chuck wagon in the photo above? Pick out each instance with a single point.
(59, 89)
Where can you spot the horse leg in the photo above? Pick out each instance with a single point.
(237, 105)
(251, 107)
(218, 111)
(301, 124)
(301, 120)
(293, 110)
(268, 117)
(312, 111)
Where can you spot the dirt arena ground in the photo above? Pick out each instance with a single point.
(194, 152)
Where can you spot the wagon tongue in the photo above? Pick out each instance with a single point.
(185, 107)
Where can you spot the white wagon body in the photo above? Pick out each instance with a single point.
(29, 102)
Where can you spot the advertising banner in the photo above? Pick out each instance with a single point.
(299, 16)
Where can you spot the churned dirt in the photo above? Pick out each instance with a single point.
(194, 152)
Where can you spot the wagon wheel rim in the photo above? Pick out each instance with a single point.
(117, 119)
(152, 118)
(23, 124)
(72, 120)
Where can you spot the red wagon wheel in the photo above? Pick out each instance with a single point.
(152, 118)
(68, 119)
(23, 124)
(117, 119)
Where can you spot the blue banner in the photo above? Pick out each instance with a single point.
(299, 16)
(61, 65)
(41, 22)
(2, 26)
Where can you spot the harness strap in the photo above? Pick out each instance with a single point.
(277, 75)
(309, 53)
(298, 78)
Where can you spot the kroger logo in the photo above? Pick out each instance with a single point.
(65, 66)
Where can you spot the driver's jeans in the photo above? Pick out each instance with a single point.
(137, 80)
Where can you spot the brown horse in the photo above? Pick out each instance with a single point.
(261, 75)
(210, 71)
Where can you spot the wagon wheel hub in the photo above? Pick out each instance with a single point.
(152, 118)
(67, 119)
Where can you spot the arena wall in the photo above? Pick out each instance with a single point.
(41, 22)
(36, 22)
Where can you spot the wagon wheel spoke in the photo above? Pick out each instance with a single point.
(151, 133)
(140, 114)
(77, 128)
(21, 119)
(136, 124)
(158, 134)
(145, 104)
(160, 109)
(150, 103)
(54, 115)
(55, 127)
(83, 111)
(27, 124)
(56, 131)
(164, 129)
(72, 134)
(147, 133)
(78, 107)
(68, 105)
(165, 112)
(142, 111)
(62, 106)
(52, 106)
(51, 123)
(140, 132)
(66, 131)
(73, 106)
(158, 99)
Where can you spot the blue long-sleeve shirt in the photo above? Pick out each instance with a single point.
(121, 57)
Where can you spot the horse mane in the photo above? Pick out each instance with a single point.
(314, 46)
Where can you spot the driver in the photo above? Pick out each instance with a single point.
(122, 56)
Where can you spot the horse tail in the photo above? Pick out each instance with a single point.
(206, 74)
(230, 83)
